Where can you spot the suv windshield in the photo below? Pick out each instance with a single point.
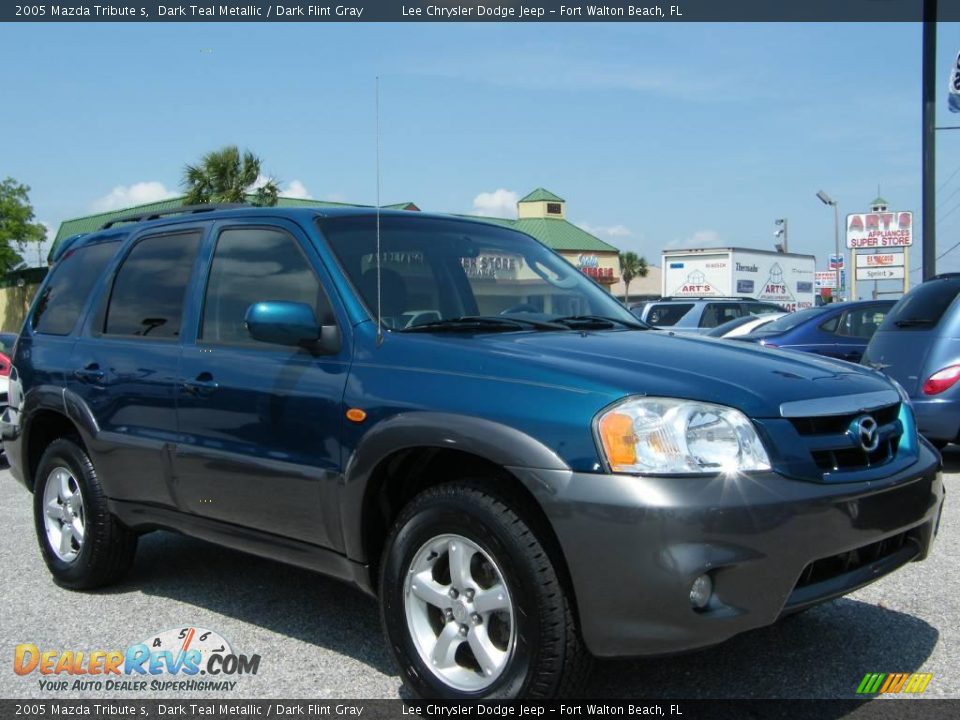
(435, 270)
(923, 306)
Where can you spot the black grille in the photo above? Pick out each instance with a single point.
(838, 424)
(830, 567)
(856, 458)
(834, 443)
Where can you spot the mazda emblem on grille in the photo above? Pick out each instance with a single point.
(867, 433)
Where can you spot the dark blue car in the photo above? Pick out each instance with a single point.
(919, 346)
(451, 417)
(840, 330)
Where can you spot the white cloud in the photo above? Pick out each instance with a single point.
(613, 232)
(701, 238)
(293, 189)
(296, 189)
(499, 203)
(123, 196)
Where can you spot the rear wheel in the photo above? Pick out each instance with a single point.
(472, 604)
(83, 544)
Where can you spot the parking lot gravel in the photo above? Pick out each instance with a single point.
(318, 638)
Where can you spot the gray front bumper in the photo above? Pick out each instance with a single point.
(634, 545)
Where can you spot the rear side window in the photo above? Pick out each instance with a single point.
(718, 313)
(65, 296)
(923, 306)
(663, 315)
(147, 297)
(861, 323)
(254, 265)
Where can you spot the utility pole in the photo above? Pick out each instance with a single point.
(928, 210)
(827, 200)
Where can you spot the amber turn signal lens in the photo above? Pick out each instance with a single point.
(356, 415)
(619, 440)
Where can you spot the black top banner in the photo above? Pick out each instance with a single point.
(472, 11)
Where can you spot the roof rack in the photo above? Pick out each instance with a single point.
(183, 209)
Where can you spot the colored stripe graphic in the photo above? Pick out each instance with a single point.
(881, 683)
(870, 683)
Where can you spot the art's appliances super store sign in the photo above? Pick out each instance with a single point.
(879, 230)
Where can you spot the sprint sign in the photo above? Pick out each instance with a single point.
(879, 230)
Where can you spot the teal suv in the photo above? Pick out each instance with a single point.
(449, 416)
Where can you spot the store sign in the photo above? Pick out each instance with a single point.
(880, 273)
(882, 260)
(588, 261)
(879, 230)
(836, 262)
(825, 279)
(491, 266)
(598, 273)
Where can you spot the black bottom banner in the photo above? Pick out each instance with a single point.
(885, 709)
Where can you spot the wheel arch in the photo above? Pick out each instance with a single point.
(49, 415)
(410, 452)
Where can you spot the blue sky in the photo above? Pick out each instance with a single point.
(658, 136)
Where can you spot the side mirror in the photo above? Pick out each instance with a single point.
(293, 324)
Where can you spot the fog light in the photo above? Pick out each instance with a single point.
(701, 592)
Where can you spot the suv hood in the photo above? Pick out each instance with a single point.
(754, 379)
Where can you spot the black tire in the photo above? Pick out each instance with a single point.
(939, 444)
(549, 658)
(108, 547)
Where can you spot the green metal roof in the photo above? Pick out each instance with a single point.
(90, 223)
(555, 233)
(879, 201)
(541, 195)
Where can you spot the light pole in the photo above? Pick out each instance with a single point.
(781, 233)
(827, 200)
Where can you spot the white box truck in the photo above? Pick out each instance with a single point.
(783, 278)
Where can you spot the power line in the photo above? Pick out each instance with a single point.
(947, 181)
(948, 213)
(948, 198)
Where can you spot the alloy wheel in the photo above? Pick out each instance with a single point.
(459, 613)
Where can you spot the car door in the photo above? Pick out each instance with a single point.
(855, 329)
(124, 364)
(260, 423)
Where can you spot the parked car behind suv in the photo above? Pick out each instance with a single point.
(838, 330)
(699, 315)
(918, 345)
(530, 480)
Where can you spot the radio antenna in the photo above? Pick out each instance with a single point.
(379, 294)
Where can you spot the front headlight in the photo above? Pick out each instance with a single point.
(666, 436)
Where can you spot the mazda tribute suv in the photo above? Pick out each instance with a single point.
(526, 476)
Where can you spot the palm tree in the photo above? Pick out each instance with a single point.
(631, 266)
(223, 176)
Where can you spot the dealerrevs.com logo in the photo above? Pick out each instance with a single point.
(182, 659)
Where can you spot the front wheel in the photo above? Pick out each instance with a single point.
(473, 606)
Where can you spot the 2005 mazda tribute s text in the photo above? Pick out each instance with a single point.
(451, 417)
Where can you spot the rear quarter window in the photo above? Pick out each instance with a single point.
(923, 307)
(664, 315)
(63, 298)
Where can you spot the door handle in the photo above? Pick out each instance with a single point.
(90, 374)
(201, 386)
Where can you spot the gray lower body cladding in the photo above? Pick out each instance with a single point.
(634, 546)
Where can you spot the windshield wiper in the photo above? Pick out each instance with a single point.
(483, 323)
(914, 321)
(599, 321)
